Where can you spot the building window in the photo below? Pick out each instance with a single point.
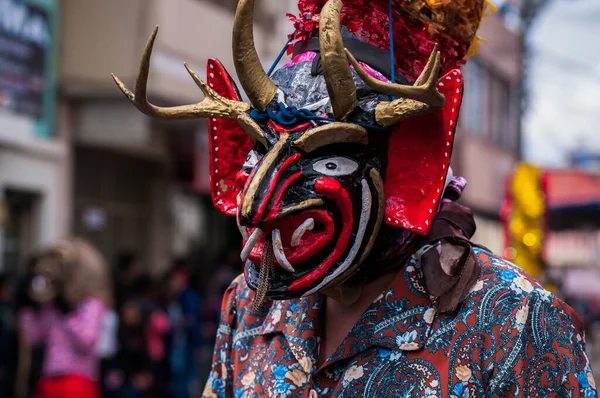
(490, 106)
(262, 14)
(503, 119)
(499, 110)
(473, 109)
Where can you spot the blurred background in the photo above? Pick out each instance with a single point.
(77, 159)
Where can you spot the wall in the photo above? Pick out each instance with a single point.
(490, 233)
(33, 151)
(103, 36)
(41, 176)
(573, 249)
(487, 143)
(485, 167)
(501, 51)
(40, 166)
(38, 175)
(100, 37)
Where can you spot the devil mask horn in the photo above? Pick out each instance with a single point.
(338, 149)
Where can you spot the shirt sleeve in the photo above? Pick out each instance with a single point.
(545, 352)
(83, 324)
(220, 380)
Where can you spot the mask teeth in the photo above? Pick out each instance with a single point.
(307, 225)
(250, 243)
(266, 271)
(243, 231)
(279, 253)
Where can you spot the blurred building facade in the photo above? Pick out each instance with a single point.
(34, 201)
(141, 184)
(488, 140)
(573, 199)
(125, 181)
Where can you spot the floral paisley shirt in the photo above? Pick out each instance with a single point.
(510, 338)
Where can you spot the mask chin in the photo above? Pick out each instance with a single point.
(277, 288)
(280, 280)
(359, 218)
(278, 284)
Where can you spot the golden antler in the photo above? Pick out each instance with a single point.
(258, 86)
(213, 105)
(414, 100)
(337, 72)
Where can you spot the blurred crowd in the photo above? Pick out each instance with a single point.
(65, 332)
(147, 336)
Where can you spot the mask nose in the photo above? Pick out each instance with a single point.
(248, 218)
(255, 201)
(264, 191)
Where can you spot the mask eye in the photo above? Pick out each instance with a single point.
(251, 161)
(334, 167)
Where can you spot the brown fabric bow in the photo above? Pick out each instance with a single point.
(450, 267)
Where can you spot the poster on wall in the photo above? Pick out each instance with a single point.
(26, 54)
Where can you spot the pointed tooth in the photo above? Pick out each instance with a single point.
(279, 253)
(307, 225)
(243, 231)
(250, 244)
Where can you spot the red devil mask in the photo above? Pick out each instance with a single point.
(328, 155)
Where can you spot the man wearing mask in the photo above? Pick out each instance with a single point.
(360, 279)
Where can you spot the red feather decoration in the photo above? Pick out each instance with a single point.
(418, 26)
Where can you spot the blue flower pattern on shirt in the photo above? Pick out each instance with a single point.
(510, 338)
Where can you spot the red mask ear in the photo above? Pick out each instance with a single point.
(228, 143)
(418, 161)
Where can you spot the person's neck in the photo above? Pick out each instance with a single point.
(344, 306)
(351, 296)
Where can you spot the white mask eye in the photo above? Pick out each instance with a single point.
(251, 160)
(335, 166)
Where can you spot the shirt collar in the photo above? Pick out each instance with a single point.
(298, 320)
(399, 319)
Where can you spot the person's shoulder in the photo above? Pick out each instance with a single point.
(237, 295)
(237, 314)
(526, 325)
(498, 274)
(238, 287)
(503, 288)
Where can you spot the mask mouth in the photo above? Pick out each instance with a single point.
(326, 250)
(294, 239)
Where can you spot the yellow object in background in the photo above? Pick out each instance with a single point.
(526, 219)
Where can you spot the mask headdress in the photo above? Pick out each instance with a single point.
(213, 105)
(338, 76)
(329, 150)
(257, 85)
